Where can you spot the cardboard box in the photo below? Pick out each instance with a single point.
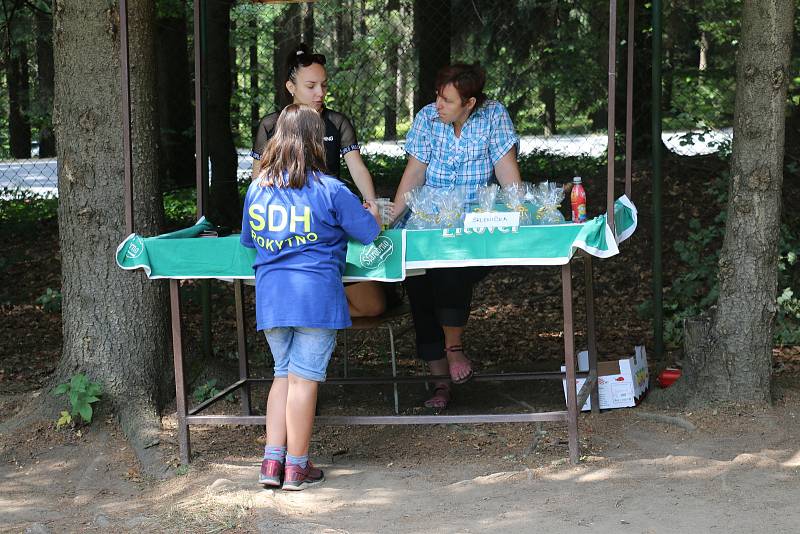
(620, 383)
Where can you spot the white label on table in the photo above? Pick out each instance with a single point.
(491, 219)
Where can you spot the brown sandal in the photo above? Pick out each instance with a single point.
(459, 366)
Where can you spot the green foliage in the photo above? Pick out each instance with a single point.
(787, 322)
(696, 288)
(180, 207)
(20, 207)
(50, 300)
(82, 393)
(207, 390)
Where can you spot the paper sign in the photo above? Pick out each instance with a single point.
(491, 219)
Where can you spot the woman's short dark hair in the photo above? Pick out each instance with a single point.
(467, 79)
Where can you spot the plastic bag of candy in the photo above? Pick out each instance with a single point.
(547, 196)
(424, 211)
(513, 197)
(450, 206)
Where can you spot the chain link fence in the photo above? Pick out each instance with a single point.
(546, 61)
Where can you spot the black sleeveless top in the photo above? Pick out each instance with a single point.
(340, 137)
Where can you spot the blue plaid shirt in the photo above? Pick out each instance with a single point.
(486, 137)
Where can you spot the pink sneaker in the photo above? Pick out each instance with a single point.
(271, 473)
(296, 478)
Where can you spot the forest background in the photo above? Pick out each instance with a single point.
(546, 61)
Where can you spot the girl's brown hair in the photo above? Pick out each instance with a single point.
(295, 150)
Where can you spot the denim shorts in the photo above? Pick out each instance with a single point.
(304, 352)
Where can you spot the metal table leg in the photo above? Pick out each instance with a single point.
(180, 378)
(569, 359)
(244, 370)
(590, 329)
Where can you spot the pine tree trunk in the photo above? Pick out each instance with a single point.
(19, 124)
(432, 42)
(255, 97)
(233, 57)
(224, 206)
(735, 360)
(392, 67)
(114, 321)
(344, 29)
(308, 25)
(44, 83)
(548, 97)
(176, 166)
(284, 37)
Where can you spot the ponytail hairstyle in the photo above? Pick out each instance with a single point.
(300, 56)
(295, 150)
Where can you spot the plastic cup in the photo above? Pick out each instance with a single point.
(385, 210)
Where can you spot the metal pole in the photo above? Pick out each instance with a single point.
(569, 361)
(658, 306)
(612, 96)
(241, 342)
(200, 145)
(127, 190)
(629, 101)
(201, 153)
(591, 332)
(184, 444)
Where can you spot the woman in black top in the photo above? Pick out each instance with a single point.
(307, 83)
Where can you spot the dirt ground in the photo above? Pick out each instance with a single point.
(738, 470)
(643, 470)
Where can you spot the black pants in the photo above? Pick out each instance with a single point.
(440, 297)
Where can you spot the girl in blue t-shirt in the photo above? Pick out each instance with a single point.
(299, 220)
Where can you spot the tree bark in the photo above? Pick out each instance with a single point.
(432, 43)
(17, 76)
(344, 29)
(548, 97)
(114, 321)
(19, 123)
(176, 157)
(284, 37)
(233, 57)
(735, 354)
(255, 97)
(308, 25)
(392, 68)
(44, 83)
(224, 206)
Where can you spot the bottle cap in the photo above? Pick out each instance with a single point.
(576, 180)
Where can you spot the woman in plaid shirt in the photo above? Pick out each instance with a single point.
(462, 139)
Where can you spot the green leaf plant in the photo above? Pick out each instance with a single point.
(82, 393)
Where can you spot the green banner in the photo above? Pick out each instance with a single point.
(179, 255)
(182, 255)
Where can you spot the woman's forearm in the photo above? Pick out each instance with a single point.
(360, 174)
(506, 169)
(413, 176)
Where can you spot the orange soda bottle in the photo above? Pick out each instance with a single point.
(578, 198)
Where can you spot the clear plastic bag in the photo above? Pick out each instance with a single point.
(513, 198)
(424, 212)
(547, 196)
(450, 204)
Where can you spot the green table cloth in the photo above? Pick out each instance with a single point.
(182, 255)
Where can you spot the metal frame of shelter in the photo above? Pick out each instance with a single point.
(575, 398)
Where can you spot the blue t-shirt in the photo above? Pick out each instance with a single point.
(300, 237)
